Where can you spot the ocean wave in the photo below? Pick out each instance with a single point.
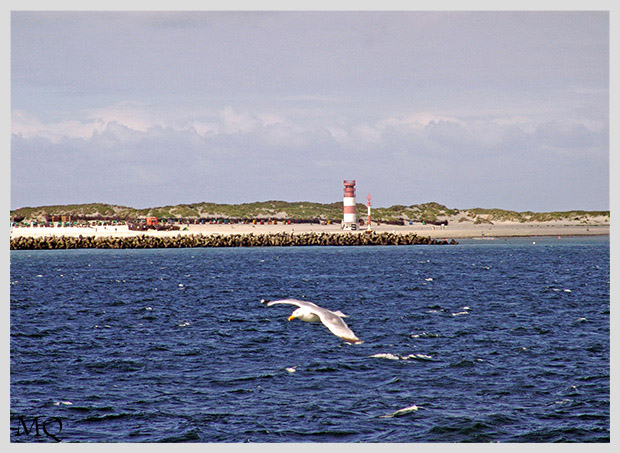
(465, 363)
(390, 356)
(460, 313)
(401, 412)
(116, 365)
(425, 335)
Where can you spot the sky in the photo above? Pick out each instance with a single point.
(495, 109)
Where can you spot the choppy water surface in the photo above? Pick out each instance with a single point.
(500, 340)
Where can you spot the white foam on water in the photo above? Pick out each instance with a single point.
(400, 412)
(460, 313)
(291, 369)
(424, 335)
(388, 356)
(416, 357)
(66, 403)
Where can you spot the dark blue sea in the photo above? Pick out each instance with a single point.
(485, 341)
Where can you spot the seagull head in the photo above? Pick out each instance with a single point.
(304, 314)
(296, 314)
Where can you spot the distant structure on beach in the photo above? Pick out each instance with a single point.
(349, 221)
(368, 230)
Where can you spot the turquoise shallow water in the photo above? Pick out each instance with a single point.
(500, 340)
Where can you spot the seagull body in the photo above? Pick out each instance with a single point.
(310, 312)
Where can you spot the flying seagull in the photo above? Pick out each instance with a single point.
(310, 312)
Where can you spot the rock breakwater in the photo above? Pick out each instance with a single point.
(220, 240)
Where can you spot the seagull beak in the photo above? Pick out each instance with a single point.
(291, 317)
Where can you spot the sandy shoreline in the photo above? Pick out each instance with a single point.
(452, 231)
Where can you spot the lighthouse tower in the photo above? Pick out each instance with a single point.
(349, 221)
(368, 206)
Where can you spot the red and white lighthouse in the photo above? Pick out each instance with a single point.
(368, 206)
(349, 221)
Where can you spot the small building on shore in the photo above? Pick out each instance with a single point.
(152, 221)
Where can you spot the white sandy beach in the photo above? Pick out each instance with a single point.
(453, 230)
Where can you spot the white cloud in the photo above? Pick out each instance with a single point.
(233, 121)
(270, 119)
(130, 123)
(204, 128)
(29, 126)
(339, 134)
(414, 120)
(266, 151)
(132, 115)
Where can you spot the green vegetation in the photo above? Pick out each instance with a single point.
(502, 215)
(302, 210)
(482, 220)
(429, 212)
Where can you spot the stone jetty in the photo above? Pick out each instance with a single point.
(220, 240)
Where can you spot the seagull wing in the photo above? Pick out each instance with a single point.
(337, 326)
(299, 303)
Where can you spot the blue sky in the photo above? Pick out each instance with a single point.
(468, 109)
